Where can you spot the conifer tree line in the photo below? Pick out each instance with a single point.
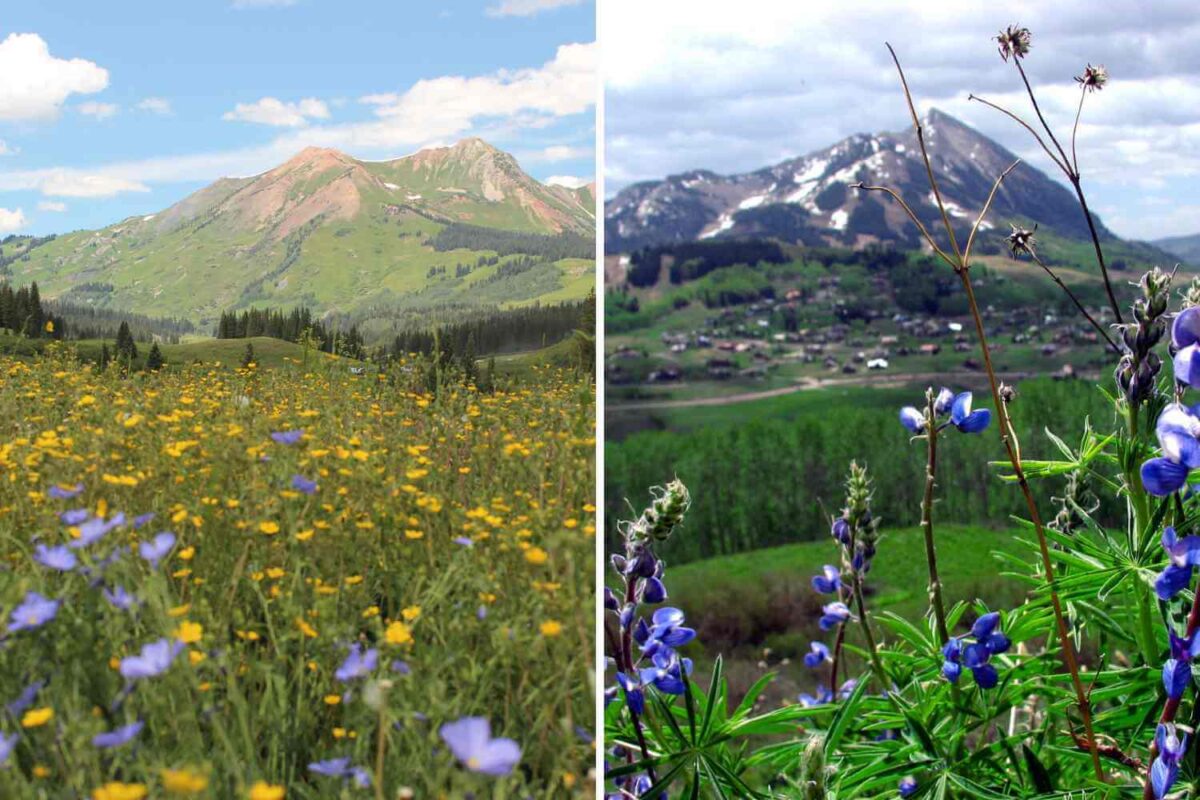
(500, 331)
(89, 322)
(291, 326)
(23, 312)
(461, 236)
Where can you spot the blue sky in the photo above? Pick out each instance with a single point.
(123, 108)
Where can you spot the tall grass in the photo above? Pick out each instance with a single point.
(451, 533)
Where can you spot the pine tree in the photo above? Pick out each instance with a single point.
(248, 357)
(105, 357)
(154, 360)
(126, 347)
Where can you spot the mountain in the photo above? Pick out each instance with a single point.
(460, 224)
(808, 199)
(1185, 248)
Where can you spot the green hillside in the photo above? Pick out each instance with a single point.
(332, 233)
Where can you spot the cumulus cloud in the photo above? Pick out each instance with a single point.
(36, 84)
(429, 112)
(275, 112)
(687, 85)
(6, 149)
(155, 105)
(527, 8)
(12, 221)
(75, 183)
(52, 206)
(569, 181)
(98, 110)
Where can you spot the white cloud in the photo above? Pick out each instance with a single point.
(52, 206)
(98, 110)
(12, 221)
(527, 8)
(429, 113)
(6, 149)
(570, 181)
(36, 84)
(73, 183)
(156, 105)
(275, 112)
(559, 152)
(450, 105)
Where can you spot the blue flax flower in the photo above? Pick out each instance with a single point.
(303, 484)
(1177, 670)
(7, 743)
(157, 548)
(73, 516)
(142, 519)
(818, 654)
(470, 740)
(94, 529)
(829, 582)
(25, 698)
(287, 437)
(1165, 768)
(58, 557)
(1177, 430)
(116, 738)
(1184, 556)
(360, 662)
(33, 612)
(61, 493)
(341, 768)
(119, 598)
(154, 659)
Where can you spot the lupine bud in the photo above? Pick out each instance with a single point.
(610, 600)
(653, 591)
(1137, 371)
(813, 771)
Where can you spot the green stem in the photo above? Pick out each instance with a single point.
(935, 583)
(1140, 508)
(868, 634)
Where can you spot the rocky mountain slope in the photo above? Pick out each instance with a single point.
(334, 233)
(807, 199)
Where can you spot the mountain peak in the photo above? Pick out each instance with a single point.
(317, 156)
(809, 199)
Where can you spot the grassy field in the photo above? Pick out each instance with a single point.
(268, 352)
(213, 578)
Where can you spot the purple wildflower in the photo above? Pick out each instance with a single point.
(153, 660)
(33, 612)
(287, 437)
(116, 738)
(65, 493)
(470, 740)
(58, 557)
(157, 548)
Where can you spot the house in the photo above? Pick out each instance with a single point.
(930, 349)
(877, 363)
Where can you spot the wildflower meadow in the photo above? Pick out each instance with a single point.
(1085, 688)
(302, 582)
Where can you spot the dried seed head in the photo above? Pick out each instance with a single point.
(1007, 393)
(1021, 240)
(1013, 41)
(1093, 78)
